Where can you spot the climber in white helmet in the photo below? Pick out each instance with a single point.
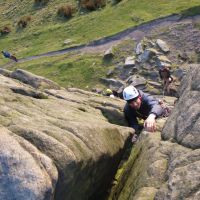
(141, 105)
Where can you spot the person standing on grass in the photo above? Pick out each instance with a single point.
(6, 54)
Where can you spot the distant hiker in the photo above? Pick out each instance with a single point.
(143, 106)
(165, 75)
(9, 55)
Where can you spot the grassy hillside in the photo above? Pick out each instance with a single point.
(46, 31)
(76, 69)
(70, 70)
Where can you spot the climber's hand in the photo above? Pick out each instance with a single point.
(150, 123)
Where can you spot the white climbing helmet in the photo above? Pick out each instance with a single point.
(130, 92)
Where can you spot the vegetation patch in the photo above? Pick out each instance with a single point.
(41, 2)
(5, 30)
(66, 11)
(123, 50)
(71, 70)
(91, 5)
(23, 22)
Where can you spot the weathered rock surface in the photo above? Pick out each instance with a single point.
(26, 173)
(184, 124)
(66, 146)
(144, 62)
(137, 81)
(113, 84)
(162, 45)
(167, 169)
(130, 61)
(139, 48)
(108, 53)
(5, 72)
(33, 80)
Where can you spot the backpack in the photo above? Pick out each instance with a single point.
(165, 74)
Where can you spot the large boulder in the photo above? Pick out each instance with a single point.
(145, 56)
(163, 61)
(5, 72)
(66, 146)
(137, 81)
(130, 61)
(162, 45)
(26, 173)
(34, 80)
(108, 54)
(113, 84)
(184, 124)
(183, 176)
(139, 48)
(165, 165)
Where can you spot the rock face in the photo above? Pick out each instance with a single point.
(63, 146)
(184, 124)
(26, 173)
(33, 80)
(108, 53)
(130, 61)
(113, 84)
(137, 81)
(148, 57)
(166, 166)
(162, 45)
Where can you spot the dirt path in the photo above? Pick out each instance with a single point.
(135, 33)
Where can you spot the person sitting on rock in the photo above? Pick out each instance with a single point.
(141, 105)
(8, 55)
(165, 75)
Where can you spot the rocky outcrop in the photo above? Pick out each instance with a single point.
(162, 45)
(108, 54)
(149, 56)
(165, 165)
(184, 123)
(26, 173)
(35, 81)
(113, 84)
(66, 145)
(130, 61)
(137, 81)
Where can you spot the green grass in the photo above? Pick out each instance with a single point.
(75, 69)
(71, 70)
(46, 32)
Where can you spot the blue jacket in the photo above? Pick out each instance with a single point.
(148, 105)
(6, 54)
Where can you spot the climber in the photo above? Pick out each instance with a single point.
(165, 75)
(8, 55)
(141, 105)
